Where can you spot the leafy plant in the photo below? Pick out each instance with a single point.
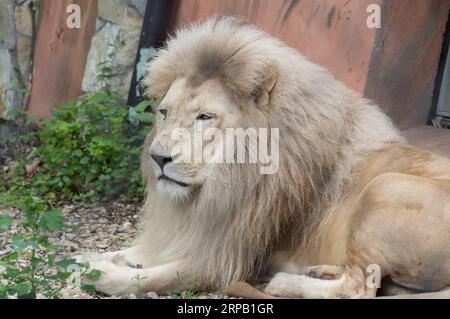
(137, 282)
(31, 268)
(89, 150)
(190, 293)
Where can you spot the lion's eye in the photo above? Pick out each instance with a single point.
(204, 117)
(163, 113)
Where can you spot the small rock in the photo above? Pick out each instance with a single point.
(126, 225)
(152, 295)
(69, 236)
(67, 210)
(6, 251)
(102, 220)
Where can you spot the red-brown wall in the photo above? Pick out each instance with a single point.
(60, 54)
(332, 33)
(405, 58)
(395, 65)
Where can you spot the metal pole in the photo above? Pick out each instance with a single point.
(154, 32)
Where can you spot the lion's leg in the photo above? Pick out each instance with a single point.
(405, 234)
(135, 257)
(119, 280)
(349, 284)
(131, 270)
(242, 289)
(403, 237)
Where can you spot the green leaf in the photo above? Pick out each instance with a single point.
(19, 243)
(145, 117)
(5, 222)
(52, 220)
(29, 295)
(142, 106)
(66, 263)
(20, 289)
(104, 177)
(11, 257)
(11, 273)
(3, 291)
(93, 274)
(37, 261)
(88, 288)
(106, 70)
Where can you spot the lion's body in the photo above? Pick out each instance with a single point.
(348, 191)
(397, 216)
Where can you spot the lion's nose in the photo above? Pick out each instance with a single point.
(161, 160)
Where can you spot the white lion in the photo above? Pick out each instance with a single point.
(349, 192)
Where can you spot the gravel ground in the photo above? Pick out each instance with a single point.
(92, 229)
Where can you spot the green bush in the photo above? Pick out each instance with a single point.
(89, 150)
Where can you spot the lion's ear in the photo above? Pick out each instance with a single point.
(265, 83)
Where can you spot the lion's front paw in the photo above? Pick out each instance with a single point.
(83, 258)
(114, 280)
(88, 257)
(280, 285)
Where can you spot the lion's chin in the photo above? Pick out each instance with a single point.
(173, 191)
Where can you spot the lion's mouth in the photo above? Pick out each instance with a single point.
(164, 177)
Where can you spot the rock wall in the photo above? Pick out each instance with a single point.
(114, 45)
(23, 34)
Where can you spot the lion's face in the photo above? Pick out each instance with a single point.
(183, 113)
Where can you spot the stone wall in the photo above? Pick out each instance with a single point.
(115, 43)
(24, 30)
